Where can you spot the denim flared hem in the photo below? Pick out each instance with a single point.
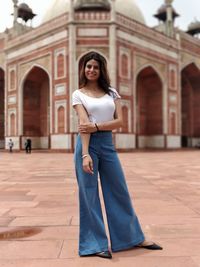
(90, 252)
(128, 246)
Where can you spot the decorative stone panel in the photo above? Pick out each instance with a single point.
(88, 32)
(60, 63)
(12, 99)
(60, 104)
(60, 89)
(124, 63)
(173, 77)
(125, 89)
(172, 121)
(42, 62)
(12, 78)
(12, 122)
(141, 62)
(126, 108)
(186, 59)
(173, 98)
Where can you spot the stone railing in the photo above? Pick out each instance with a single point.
(92, 16)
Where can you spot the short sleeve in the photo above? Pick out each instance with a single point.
(76, 100)
(114, 93)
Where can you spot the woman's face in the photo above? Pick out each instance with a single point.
(92, 70)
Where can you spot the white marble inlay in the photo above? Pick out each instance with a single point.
(46, 41)
(151, 141)
(125, 141)
(173, 141)
(61, 141)
(173, 98)
(11, 99)
(92, 32)
(125, 89)
(148, 45)
(60, 89)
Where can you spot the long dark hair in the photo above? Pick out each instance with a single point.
(104, 80)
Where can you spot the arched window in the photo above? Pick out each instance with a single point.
(172, 79)
(60, 65)
(173, 123)
(61, 120)
(124, 65)
(12, 79)
(125, 119)
(12, 124)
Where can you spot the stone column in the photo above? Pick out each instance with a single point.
(169, 21)
(15, 2)
(165, 108)
(72, 63)
(113, 46)
(5, 102)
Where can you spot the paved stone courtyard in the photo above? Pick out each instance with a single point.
(39, 210)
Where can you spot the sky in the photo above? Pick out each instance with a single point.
(189, 11)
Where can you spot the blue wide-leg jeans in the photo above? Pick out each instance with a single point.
(124, 228)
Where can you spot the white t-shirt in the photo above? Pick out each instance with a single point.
(99, 109)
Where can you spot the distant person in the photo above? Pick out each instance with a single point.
(28, 145)
(10, 145)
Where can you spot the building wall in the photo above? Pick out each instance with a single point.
(146, 70)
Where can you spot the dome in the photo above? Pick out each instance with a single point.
(25, 12)
(55, 9)
(194, 28)
(130, 9)
(25, 7)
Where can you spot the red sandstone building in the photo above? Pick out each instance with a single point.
(155, 70)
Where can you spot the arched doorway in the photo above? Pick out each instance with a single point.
(36, 108)
(149, 115)
(2, 107)
(190, 97)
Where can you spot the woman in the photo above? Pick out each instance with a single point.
(99, 112)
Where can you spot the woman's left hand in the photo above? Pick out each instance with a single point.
(88, 127)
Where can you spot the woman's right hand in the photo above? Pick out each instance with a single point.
(88, 164)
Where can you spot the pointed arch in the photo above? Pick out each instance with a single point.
(124, 65)
(60, 62)
(2, 107)
(12, 124)
(157, 71)
(21, 86)
(190, 107)
(192, 62)
(125, 115)
(30, 69)
(149, 104)
(35, 105)
(61, 120)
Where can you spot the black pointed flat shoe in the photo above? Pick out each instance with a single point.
(104, 254)
(153, 246)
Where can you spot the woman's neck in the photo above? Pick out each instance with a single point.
(92, 86)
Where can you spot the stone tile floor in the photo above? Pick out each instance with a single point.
(39, 210)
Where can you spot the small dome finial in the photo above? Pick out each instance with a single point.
(169, 2)
(92, 4)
